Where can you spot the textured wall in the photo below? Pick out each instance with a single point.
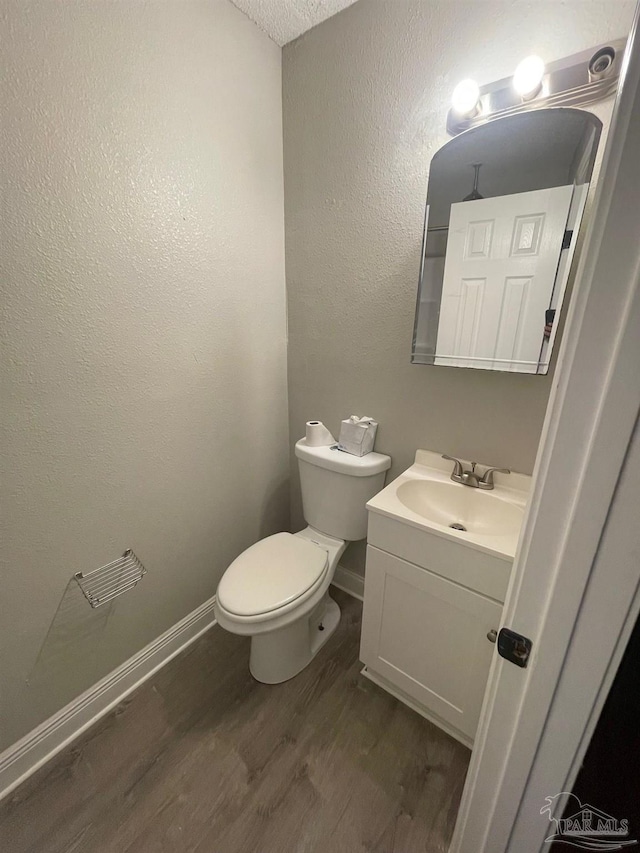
(365, 96)
(144, 372)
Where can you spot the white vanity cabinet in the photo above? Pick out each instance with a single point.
(425, 639)
(439, 557)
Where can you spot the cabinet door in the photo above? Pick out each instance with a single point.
(428, 637)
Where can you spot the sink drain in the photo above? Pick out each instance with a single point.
(457, 526)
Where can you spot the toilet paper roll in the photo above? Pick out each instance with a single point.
(318, 435)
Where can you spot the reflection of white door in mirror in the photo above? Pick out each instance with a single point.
(503, 255)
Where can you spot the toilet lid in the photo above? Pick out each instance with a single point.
(270, 574)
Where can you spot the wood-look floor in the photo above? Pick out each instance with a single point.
(201, 758)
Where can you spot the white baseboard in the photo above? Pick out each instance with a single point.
(349, 581)
(22, 759)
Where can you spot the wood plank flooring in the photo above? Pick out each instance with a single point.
(203, 759)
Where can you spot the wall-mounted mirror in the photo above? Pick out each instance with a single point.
(504, 206)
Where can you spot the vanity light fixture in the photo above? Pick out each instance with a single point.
(465, 98)
(527, 80)
(580, 79)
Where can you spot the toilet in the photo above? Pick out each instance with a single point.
(277, 591)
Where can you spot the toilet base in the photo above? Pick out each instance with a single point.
(277, 656)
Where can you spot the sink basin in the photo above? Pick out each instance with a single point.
(461, 508)
(425, 497)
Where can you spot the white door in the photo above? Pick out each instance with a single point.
(428, 637)
(500, 271)
(575, 586)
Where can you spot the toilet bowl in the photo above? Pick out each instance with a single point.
(276, 591)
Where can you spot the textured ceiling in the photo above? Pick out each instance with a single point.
(285, 20)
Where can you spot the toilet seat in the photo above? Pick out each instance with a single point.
(277, 572)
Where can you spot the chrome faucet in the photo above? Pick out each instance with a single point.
(470, 478)
(459, 475)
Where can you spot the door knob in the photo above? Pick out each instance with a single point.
(492, 635)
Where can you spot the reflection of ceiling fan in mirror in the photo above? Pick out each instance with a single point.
(474, 194)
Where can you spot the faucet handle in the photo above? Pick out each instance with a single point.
(457, 468)
(487, 478)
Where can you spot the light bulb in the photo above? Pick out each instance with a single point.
(527, 79)
(465, 98)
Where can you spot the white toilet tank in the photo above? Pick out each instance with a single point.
(336, 487)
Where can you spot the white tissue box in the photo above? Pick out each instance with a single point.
(357, 435)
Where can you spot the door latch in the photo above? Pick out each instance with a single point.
(566, 241)
(514, 647)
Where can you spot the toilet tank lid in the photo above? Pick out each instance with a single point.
(344, 463)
